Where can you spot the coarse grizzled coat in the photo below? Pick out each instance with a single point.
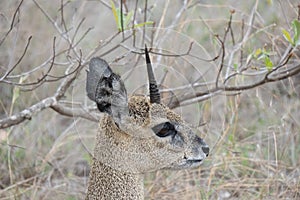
(134, 137)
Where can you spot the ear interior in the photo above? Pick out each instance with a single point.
(107, 89)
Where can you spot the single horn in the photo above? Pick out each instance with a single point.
(154, 91)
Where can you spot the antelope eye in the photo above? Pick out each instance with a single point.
(164, 129)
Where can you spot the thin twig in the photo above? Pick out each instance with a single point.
(12, 24)
(222, 59)
(75, 34)
(145, 19)
(62, 16)
(19, 60)
(242, 47)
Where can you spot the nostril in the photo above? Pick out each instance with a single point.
(205, 150)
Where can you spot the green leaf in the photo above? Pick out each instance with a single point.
(287, 36)
(115, 13)
(16, 90)
(143, 24)
(268, 63)
(296, 28)
(270, 2)
(126, 18)
(257, 52)
(119, 18)
(16, 94)
(231, 138)
(235, 66)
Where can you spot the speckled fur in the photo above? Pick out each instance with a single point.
(121, 159)
(109, 184)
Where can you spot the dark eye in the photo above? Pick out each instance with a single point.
(164, 129)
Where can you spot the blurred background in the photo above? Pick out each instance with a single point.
(253, 132)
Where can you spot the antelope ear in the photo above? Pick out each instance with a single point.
(107, 89)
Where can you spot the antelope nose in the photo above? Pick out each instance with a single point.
(205, 149)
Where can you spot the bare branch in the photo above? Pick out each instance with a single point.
(202, 91)
(275, 74)
(245, 37)
(199, 98)
(27, 113)
(72, 112)
(52, 102)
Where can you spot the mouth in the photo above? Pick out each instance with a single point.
(187, 163)
(190, 163)
(192, 160)
(194, 163)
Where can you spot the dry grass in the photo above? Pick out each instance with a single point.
(254, 135)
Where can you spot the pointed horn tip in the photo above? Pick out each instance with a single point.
(147, 55)
(146, 49)
(154, 91)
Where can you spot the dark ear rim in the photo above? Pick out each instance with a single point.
(153, 88)
(96, 69)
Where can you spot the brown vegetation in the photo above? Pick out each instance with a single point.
(225, 66)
